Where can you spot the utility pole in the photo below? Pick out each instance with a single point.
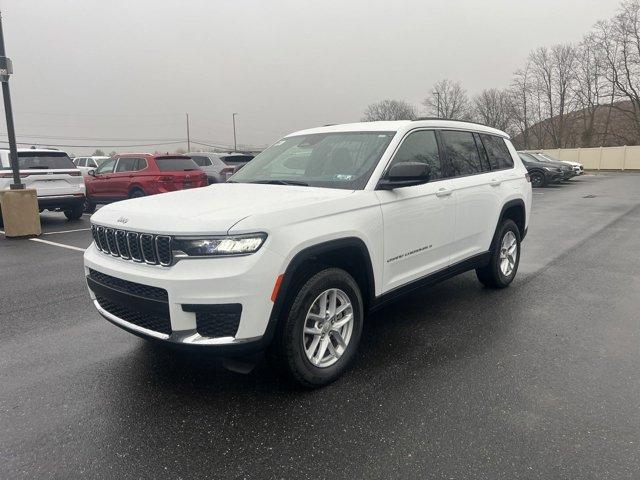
(235, 144)
(188, 138)
(437, 94)
(6, 69)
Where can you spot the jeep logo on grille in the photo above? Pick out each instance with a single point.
(122, 220)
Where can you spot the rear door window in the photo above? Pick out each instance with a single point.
(499, 155)
(44, 160)
(462, 153)
(127, 164)
(175, 164)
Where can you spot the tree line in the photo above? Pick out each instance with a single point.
(583, 94)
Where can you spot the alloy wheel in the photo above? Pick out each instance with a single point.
(328, 327)
(508, 253)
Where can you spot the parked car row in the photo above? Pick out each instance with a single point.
(79, 185)
(544, 169)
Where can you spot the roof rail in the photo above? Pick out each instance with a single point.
(451, 120)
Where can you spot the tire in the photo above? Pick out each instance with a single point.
(136, 193)
(498, 274)
(1, 221)
(89, 206)
(291, 342)
(75, 213)
(538, 179)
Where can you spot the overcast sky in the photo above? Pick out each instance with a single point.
(130, 69)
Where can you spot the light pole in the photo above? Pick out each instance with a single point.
(6, 70)
(437, 94)
(235, 144)
(188, 137)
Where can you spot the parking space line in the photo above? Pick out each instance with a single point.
(62, 245)
(67, 231)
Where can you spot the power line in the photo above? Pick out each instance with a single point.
(97, 145)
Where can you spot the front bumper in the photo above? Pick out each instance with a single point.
(191, 285)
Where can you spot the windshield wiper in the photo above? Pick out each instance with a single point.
(281, 182)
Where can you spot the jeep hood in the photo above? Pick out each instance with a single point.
(210, 210)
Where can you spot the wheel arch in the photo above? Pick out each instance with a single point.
(349, 253)
(514, 210)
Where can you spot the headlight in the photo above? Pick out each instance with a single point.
(549, 169)
(219, 246)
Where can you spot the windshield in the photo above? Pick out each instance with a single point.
(175, 164)
(332, 160)
(44, 160)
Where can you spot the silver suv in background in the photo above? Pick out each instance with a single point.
(58, 182)
(220, 166)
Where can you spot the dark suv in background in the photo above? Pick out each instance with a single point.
(542, 173)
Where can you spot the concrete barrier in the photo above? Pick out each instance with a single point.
(599, 158)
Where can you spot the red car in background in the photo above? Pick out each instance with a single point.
(131, 175)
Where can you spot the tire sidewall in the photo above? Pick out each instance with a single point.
(501, 279)
(304, 371)
(542, 179)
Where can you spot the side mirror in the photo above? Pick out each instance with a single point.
(92, 172)
(405, 174)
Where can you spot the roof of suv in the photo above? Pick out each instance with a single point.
(402, 125)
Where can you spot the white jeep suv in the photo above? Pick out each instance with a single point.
(320, 228)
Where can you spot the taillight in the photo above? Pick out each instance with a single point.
(528, 177)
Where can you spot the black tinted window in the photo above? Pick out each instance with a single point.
(461, 152)
(201, 161)
(421, 146)
(127, 164)
(175, 164)
(499, 156)
(44, 160)
(234, 159)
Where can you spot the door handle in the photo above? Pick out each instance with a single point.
(443, 192)
(495, 183)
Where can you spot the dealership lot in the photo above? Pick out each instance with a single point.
(540, 380)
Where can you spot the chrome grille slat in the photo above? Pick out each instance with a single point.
(133, 246)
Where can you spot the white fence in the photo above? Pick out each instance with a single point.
(600, 158)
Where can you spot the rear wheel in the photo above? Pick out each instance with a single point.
(318, 339)
(136, 193)
(75, 213)
(538, 179)
(505, 257)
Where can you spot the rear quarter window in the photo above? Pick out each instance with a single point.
(497, 151)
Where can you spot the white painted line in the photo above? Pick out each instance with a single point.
(62, 245)
(67, 231)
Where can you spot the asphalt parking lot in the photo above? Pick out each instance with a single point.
(541, 380)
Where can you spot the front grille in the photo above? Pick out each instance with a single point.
(138, 247)
(150, 321)
(133, 288)
(220, 320)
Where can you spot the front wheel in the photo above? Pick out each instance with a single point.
(538, 179)
(136, 193)
(75, 213)
(318, 339)
(89, 206)
(505, 257)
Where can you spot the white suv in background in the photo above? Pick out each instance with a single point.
(58, 183)
(86, 164)
(322, 227)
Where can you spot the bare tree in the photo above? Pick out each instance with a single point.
(389, 110)
(448, 100)
(98, 153)
(493, 107)
(590, 86)
(521, 108)
(619, 41)
(554, 74)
